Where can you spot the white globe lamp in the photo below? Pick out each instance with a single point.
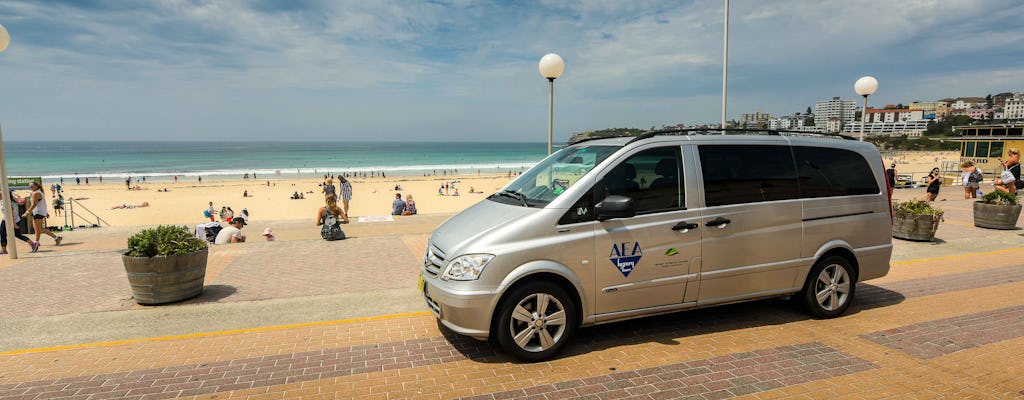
(551, 67)
(865, 86)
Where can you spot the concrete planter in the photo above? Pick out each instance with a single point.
(995, 216)
(166, 279)
(914, 227)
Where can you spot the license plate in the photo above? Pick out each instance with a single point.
(421, 284)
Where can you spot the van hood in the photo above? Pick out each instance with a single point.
(475, 222)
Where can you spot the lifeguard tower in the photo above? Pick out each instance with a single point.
(986, 144)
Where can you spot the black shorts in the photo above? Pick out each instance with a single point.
(933, 191)
(37, 216)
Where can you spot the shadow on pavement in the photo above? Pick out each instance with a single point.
(212, 294)
(669, 329)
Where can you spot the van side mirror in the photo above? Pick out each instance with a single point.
(615, 207)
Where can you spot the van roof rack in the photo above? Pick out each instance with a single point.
(719, 131)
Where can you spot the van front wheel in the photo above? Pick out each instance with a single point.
(535, 320)
(829, 288)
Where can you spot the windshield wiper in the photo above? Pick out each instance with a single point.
(515, 195)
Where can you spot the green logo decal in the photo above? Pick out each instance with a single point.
(671, 252)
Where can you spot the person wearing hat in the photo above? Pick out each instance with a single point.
(269, 234)
(231, 234)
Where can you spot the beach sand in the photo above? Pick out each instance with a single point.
(184, 202)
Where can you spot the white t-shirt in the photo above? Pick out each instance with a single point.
(225, 235)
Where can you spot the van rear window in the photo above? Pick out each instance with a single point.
(826, 172)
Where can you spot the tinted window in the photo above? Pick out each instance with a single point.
(970, 150)
(996, 150)
(826, 172)
(735, 174)
(981, 150)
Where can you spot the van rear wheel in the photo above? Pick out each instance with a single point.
(535, 321)
(829, 288)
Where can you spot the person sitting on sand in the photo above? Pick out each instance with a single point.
(245, 193)
(295, 196)
(397, 206)
(410, 205)
(269, 235)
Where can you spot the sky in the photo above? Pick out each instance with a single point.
(457, 70)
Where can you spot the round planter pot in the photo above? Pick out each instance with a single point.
(919, 228)
(996, 216)
(166, 279)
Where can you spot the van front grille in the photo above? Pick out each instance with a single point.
(433, 261)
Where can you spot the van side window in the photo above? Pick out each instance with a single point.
(653, 178)
(737, 174)
(826, 172)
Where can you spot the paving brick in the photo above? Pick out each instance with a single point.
(720, 384)
(931, 339)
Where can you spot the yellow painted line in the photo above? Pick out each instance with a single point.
(955, 256)
(217, 333)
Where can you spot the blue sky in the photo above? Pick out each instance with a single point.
(467, 70)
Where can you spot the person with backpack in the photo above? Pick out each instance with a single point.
(329, 218)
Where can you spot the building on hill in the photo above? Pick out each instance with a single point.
(792, 122)
(1013, 108)
(757, 119)
(842, 110)
(932, 109)
(892, 114)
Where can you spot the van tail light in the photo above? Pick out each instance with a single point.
(888, 187)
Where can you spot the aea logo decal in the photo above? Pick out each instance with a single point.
(625, 256)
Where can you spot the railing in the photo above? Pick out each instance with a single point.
(71, 211)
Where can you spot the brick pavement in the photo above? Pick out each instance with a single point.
(755, 350)
(96, 281)
(949, 335)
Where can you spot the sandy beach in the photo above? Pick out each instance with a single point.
(183, 202)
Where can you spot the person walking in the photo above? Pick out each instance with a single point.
(971, 178)
(329, 188)
(329, 218)
(36, 209)
(346, 192)
(934, 181)
(9, 205)
(211, 213)
(1009, 181)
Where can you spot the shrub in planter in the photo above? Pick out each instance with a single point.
(915, 220)
(997, 210)
(165, 264)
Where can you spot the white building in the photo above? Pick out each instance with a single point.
(961, 105)
(825, 111)
(898, 128)
(793, 122)
(893, 115)
(1014, 107)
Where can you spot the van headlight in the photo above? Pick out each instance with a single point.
(466, 267)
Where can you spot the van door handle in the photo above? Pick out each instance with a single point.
(684, 226)
(719, 222)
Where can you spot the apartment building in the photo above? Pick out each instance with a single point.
(842, 110)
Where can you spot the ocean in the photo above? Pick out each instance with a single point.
(230, 160)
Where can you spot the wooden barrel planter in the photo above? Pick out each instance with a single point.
(996, 216)
(919, 228)
(166, 279)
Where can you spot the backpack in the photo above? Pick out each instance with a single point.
(211, 233)
(331, 229)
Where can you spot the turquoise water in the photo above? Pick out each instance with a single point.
(230, 160)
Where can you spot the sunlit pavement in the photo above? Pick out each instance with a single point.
(307, 318)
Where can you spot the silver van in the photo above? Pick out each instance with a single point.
(612, 229)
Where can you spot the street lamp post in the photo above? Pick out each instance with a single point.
(551, 67)
(9, 211)
(865, 86)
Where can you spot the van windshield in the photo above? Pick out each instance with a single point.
(553, 176)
